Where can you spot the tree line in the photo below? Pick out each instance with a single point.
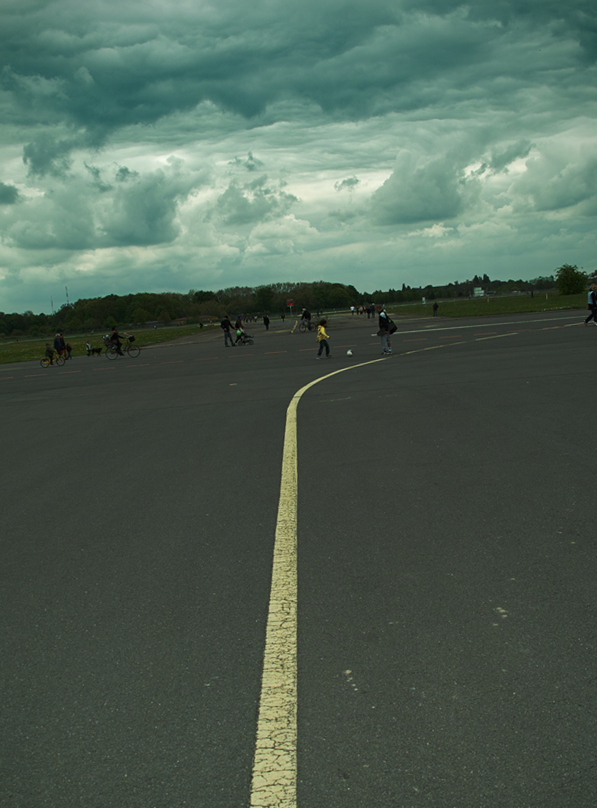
(196, 306)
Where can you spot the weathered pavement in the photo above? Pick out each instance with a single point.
(446, 568)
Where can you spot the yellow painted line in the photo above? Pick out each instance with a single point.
(274, 778)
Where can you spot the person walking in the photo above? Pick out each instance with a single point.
(322, 339)
(592, 305)
(227, 326)
(384, 330)
(266, 322)
(435, 308)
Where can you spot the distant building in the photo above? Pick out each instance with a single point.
(478, 291)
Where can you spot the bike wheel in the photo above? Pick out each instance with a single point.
(45, 363)
(111, 352)
(59, 360)
(302, 328)
(249, 342)
(133, 350)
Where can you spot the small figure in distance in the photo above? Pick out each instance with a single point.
(384, 330)
(227, 326)
(49, 352)
(59, 344)
(69, 350)
(435, 308)
(115, 340)
(322, 339)
(282, 316)
(266, 322)
(592, 305)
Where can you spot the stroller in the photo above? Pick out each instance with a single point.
(242, 338)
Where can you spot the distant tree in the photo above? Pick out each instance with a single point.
(203, 297)
(264, 296)
(110, 322)
(164, 316)
(141, 316)
(570, 280)
(74, 324)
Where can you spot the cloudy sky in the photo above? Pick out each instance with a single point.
(168, 145)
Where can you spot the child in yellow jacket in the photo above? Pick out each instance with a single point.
(322, 339)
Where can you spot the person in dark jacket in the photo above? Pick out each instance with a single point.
(266, 322)
(227, 326)
(384, 330)
(59, 345)
(115, 340)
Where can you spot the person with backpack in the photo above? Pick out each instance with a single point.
(386, 329)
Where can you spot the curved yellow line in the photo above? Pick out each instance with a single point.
(274, 767)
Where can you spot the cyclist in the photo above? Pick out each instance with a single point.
(115, 340)
(306, 317)
(49, 353)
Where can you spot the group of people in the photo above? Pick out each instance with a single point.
(386, 329)
(236, 333)
(60, 348)
(63, 348)
(369, 310)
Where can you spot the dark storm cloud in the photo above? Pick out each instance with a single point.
(47, 155)
(502, 158)
(98, 67)
(9, 195)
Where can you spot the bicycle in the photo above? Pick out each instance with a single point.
(244, 339)
(307, 325)
(128, 348)
(57, 359)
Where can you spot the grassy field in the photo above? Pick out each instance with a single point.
(33, 348)
(481, 307)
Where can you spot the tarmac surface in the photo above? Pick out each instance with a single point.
(446, 568)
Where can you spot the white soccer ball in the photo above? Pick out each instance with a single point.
(349, 352)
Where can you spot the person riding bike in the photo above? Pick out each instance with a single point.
(306, 316)
(115, 340)
(49, 353)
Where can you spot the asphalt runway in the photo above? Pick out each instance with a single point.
(446, 568)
